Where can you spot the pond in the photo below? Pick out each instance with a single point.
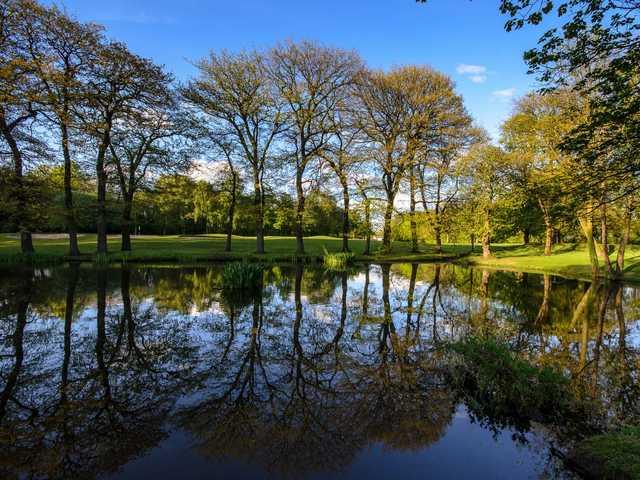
(157, 372)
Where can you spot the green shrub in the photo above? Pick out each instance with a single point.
(238, 275)
(337, 261)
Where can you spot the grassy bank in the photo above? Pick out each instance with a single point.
(203, 248)
(567, 260)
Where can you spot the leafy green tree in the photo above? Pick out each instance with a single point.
(203, 202)
(532, 137)
(597, 52)
(175, 202)
(485, 169)
(322, 214)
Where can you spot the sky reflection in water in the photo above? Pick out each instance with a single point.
(143, 372)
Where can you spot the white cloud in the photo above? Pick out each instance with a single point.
(504, 94)
(465, 69)
(475, 73)
(206, 170)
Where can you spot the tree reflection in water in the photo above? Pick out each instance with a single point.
(99, 366)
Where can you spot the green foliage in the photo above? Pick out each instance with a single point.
(322, 214)
(241, 283)
(37, 191)
(338, 261)
(240, 275)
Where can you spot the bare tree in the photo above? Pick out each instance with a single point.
(62, 51)
(145, 144)
(227, 148)
(19, 96)
(312, 81)
(448, 137)
(385, 119)
(342, 155)
(119, 84)
(365, 191)
(236, 94)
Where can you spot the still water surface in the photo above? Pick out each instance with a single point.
(157, 372)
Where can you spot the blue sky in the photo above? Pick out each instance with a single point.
(462, 38)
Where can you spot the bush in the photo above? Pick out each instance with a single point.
(238, 275)
(337, 261)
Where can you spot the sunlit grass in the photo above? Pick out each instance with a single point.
(211, 247)
(569, 260)
(338, 261)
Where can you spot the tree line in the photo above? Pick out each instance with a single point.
(392, 151)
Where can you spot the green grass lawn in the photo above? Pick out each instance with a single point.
(567, 260)
(211, 247)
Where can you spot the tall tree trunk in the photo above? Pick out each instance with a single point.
(526, 236)
(101, 214)
(299, 214)
(258, 203)
(486, 245)
(387, 325)
(437, 229)
(367, 223)
(484, 296)
(127, 310)
(437, 226)
(346, 227)
(72, 226)
(624, 239)
(126, 221)
(412, 210)
(604, 238)
(231, 212)
(622, 328)
(101, 336)
(581, 308)
(26, 241)
(486, 238)
(365, 295)
(386, 233)
(548, 227)
(586, 224)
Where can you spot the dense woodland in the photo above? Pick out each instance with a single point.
(304, 139)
